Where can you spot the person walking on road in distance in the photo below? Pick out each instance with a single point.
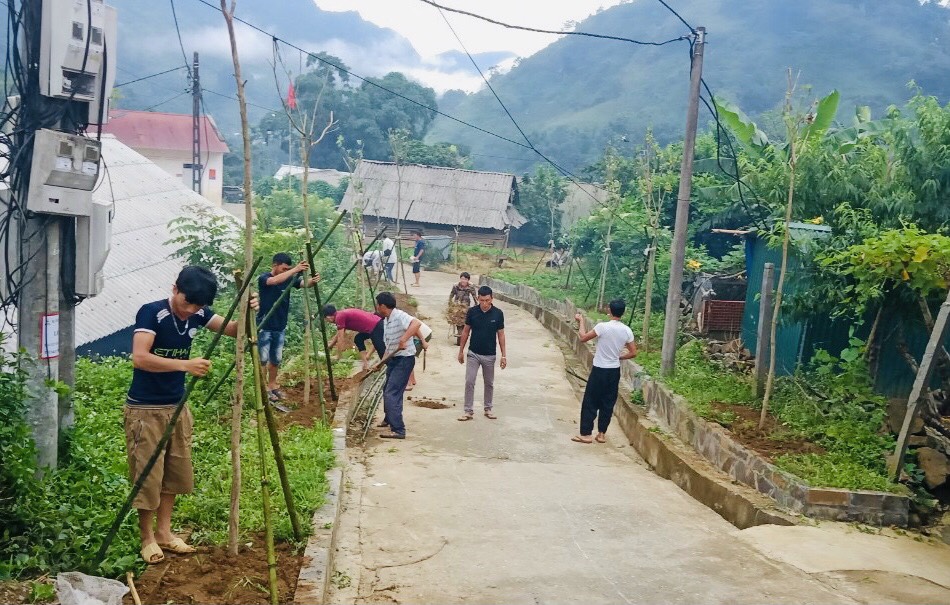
(615, 343)
(270, 340)
(161, 346)
(368, 326)
(484, 324)
(389, 258)
(398, 329)
(417, 253)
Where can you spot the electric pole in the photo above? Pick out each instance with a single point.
(678, 248)
(196, 167)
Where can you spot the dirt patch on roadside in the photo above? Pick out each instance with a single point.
(306, 415)
(213, 577)
(431, 404)
(16, 592)
(775, 440)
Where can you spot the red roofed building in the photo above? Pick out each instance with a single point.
(165, 139)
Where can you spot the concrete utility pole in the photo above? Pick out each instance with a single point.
(38, 304)
(196, 167)
(678, 248)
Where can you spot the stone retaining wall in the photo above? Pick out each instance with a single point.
(710, 440)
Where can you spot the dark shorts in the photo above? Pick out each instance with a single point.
(416, 267)
(376, 336)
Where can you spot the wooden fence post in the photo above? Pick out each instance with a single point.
(764, 330)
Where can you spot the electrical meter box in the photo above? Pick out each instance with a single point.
(99, 108)
(64, 172)
(76, 35)
(93, 241)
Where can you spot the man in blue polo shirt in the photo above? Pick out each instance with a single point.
(417, 253)
(161, 349)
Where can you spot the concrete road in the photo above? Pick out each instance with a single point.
(511, 511)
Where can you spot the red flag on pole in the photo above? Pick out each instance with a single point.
(291, 97)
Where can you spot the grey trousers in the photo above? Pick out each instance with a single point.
(487, 364)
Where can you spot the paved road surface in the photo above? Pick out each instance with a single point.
(511, 511)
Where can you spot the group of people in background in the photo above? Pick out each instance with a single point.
(384, 260)
(161, 357)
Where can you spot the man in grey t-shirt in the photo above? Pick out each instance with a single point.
(615, 343)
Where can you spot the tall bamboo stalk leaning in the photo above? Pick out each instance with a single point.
(259, 388)
(238, 406)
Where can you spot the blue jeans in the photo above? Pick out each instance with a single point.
(270, 344)
(390, 271)
(397, 377)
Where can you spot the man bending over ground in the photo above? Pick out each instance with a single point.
(615, 343)
(161, 346)
(368, 326)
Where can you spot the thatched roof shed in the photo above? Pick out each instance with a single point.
(434, 196)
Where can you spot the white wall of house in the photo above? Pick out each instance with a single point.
(173, 163)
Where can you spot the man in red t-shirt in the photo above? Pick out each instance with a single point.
(368, 326)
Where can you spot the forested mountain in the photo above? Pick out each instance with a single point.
(577, 94)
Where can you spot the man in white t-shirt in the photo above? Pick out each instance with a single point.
(389, 260)
(615, 343)
(398, 329)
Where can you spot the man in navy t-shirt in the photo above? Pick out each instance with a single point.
(161, 347)
(270, 339)
(417, 253)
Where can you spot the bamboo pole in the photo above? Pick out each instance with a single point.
(260, 387)
(236, 412)
(274, 437)
(326, 346)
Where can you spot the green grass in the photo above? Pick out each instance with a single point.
(63, 517)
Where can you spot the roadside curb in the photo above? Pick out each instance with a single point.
(313, 583)
(738, 504)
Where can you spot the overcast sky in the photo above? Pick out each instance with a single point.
(424, 27)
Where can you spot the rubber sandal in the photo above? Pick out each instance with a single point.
(272, 396)
(383, 425)
(278, 394)
(490, 416)
(600, 439)
(149, 553)
(466, 417)
(392, 436)
(179, 547)
(579, 439)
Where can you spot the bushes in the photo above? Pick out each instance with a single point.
(57, 522)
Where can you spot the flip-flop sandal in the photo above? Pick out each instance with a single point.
(272, 396)
(179, 547)
(600, 439)
(490, 416)
(278, 394)
(578, 439)
(152, 554)
(466, 418)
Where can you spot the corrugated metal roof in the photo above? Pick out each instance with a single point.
(156, 130)
(434, 195)
(328, 175)
(139, 268)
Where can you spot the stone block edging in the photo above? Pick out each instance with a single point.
(670, 412)
(313, 583)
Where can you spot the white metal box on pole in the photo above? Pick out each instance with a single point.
(93, 242)
(64, 172)
(72, 42)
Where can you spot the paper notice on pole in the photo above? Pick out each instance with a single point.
(49, 336)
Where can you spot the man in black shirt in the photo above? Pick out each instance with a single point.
(161, 349)
(484, 324)
(270, 340)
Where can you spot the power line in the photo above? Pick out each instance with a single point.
(233, 98)
(549, 31)
(161, 73)
(168, 100)
(669, 8)
(184, 55)
(366, 80)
